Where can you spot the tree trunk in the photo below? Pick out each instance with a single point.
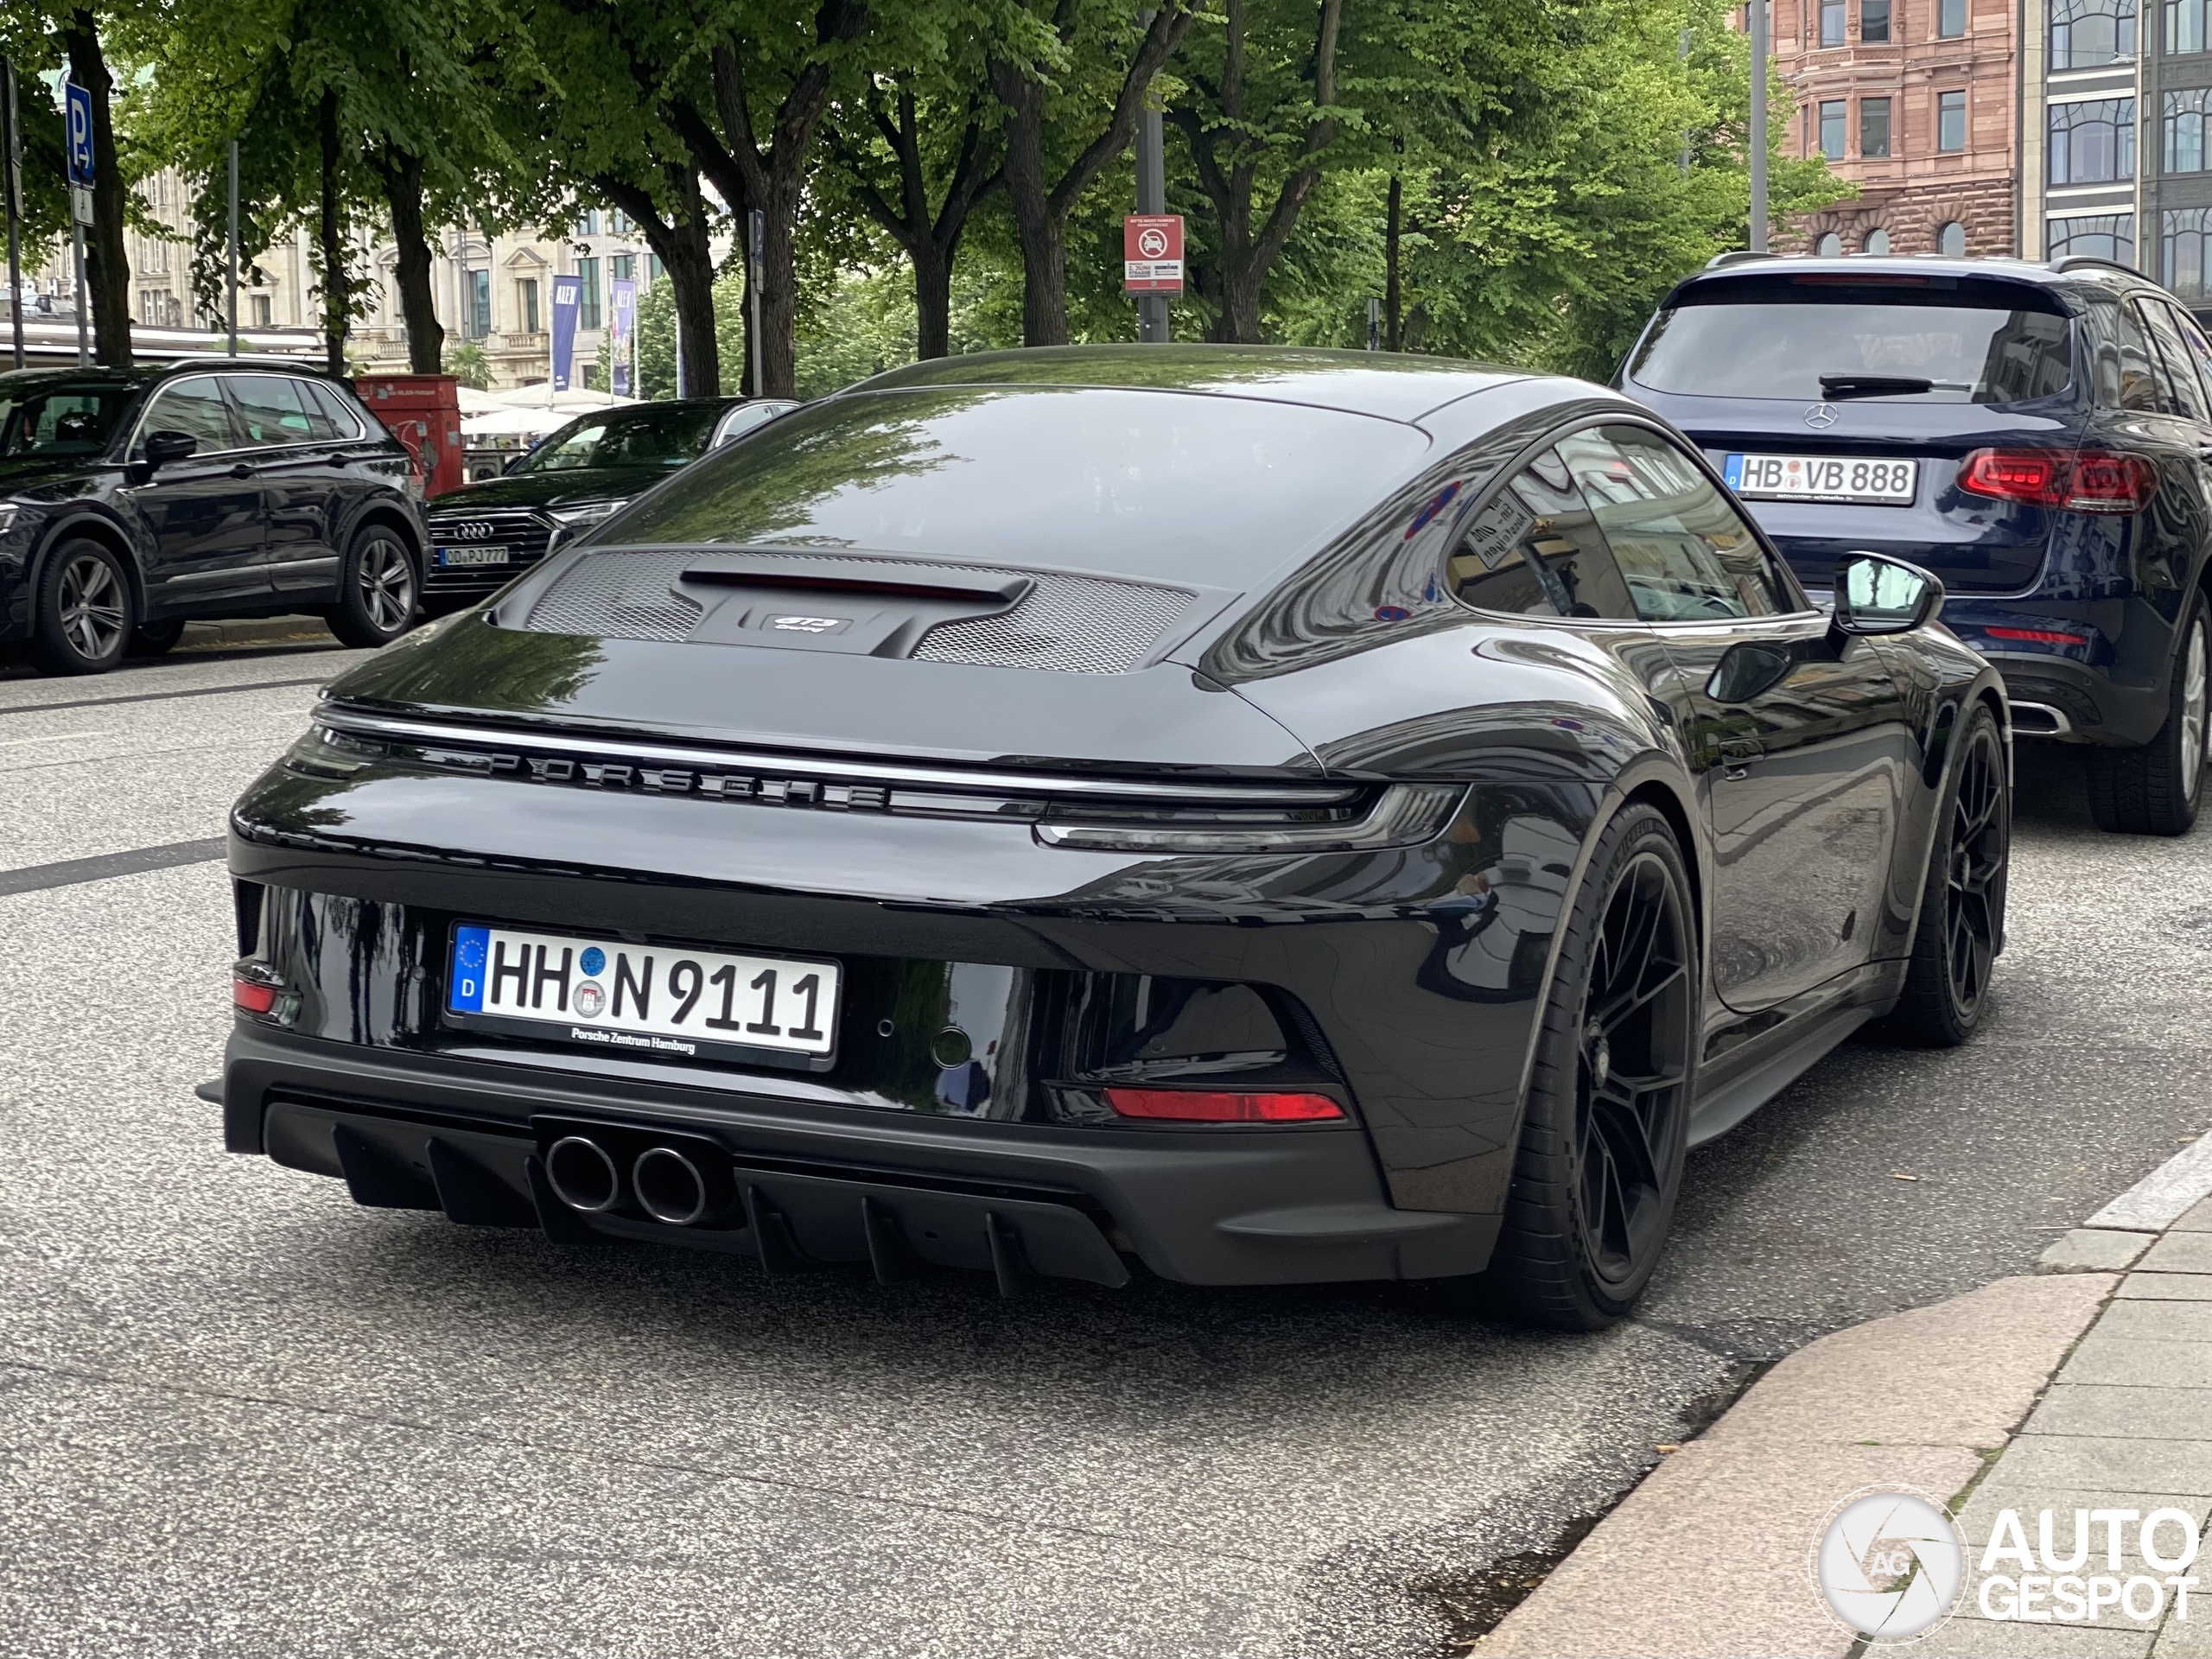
(1394, 333)
(931, 241)
(402, 174)
(1036, 228)
(681, 242)
(337, 288)
(932, 302)
(107, 266)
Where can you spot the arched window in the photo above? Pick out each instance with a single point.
(2107, 236)
(2181, 127)
(1951, 239)
(1878, 241)
(2092, 140)
(1829, 246)
(2089, 34)
(2184, 235)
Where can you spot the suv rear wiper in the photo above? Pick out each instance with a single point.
(1872, 386)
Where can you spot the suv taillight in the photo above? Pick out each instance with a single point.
(2087, 480)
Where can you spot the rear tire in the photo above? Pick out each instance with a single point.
(2154, 791)
(83, 612)
(1961, 925)
(378, 590)
(1600, 1157)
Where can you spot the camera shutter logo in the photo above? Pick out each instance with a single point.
(1890, 1565)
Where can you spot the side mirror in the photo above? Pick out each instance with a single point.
(1877, 595)
(164, 448)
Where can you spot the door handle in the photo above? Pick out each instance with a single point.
(1737, 754)
(241, 471)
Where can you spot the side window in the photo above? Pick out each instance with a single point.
(2138, 387)
(1686, 554)
(277, 410)
(2178, 382)
(344, 422)
(1534, 550)
(2196, 354)
(194, 407)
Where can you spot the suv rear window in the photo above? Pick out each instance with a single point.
(1810, 338)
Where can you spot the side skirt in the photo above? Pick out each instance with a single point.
(1738, 1093)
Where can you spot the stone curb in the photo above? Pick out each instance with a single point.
(257, 631)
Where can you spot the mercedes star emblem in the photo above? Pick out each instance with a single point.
(1820, 414)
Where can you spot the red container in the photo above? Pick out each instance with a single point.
(423, 412)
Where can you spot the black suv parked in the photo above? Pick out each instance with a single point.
(2039, 436)
(134, 499)
(482, 536)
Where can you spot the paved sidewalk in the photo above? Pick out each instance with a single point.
(2087, 1389)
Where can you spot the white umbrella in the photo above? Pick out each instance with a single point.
(576, 399)
(473, 401)
(516, 423)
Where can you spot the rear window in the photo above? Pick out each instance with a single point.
(1150, 485)
(1968, 343)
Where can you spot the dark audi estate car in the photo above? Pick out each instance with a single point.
(132, 500)
(1265, 816)
(483, 535)
(2037, 436)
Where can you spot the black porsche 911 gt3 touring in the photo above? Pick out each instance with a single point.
(1261, 815)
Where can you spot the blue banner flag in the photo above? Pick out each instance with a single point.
(621, 330)
(566, 291)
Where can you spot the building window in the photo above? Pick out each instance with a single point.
(1829, 246)
(2086, 34)
(1833, 114)
(526, 304)
(622, 268)
(1951, 122)
(2183, 234)
(2093, 142)
(1874, 20)
(1873, 126)
(1878, 241)
(2181, 129)
(618, 223)
(654, 269)
(1951, 239)
(2106, 236)
(1950, 19)
(264, 310)
(1831, 22)
(587, 294)
(591, 221)
(478, 323)
(2185, 22)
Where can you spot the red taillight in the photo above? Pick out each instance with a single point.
(2089, 480)
(2040, 636)
(1201, 1106)
(252, 997)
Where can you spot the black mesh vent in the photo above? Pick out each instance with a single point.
(1068, 625)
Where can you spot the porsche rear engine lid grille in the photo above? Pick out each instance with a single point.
(1065, 624)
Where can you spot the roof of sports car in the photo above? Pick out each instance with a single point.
(1396, 385)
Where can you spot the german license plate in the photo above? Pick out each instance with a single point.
(645, 1000)
(1823, 478)
(452, 557)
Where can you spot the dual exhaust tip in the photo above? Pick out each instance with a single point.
(667, 1183)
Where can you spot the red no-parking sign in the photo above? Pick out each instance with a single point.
(1151, 254)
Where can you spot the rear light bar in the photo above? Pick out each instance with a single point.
(1207, 1106)
(253, 997)
(2086, 480)
(2038, 636)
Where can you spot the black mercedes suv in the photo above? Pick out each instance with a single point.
(2036, 436)
(132, 500)
(481, 537)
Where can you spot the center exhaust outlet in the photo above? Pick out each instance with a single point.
(581, 1174)
(668, 1186)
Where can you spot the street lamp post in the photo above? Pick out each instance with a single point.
(1760, 52)
(231, 299)
(14, 147)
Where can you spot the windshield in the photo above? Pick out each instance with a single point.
(670, 436)
(1147, 484)
(63, 420)
(1811, 346)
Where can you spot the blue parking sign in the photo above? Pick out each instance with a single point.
(81, 135)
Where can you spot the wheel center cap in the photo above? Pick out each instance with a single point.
(1601, 1056)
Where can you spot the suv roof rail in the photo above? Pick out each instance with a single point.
(2090, 261)
(1736, 257)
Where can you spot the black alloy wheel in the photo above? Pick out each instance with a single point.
(1962, 926)
(1600, 1159)
(2154, 791)
(378, 590)
(85, 611)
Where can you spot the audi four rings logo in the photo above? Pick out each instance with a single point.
(1821, 415)
(474, 530)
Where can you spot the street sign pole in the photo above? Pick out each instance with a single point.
(1760, 53)
(14, 153)
(232, 307)
(78, 103)
(1152, 200)
(1374, 323)
(756, 227)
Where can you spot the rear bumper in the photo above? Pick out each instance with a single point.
(1235, 1207)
